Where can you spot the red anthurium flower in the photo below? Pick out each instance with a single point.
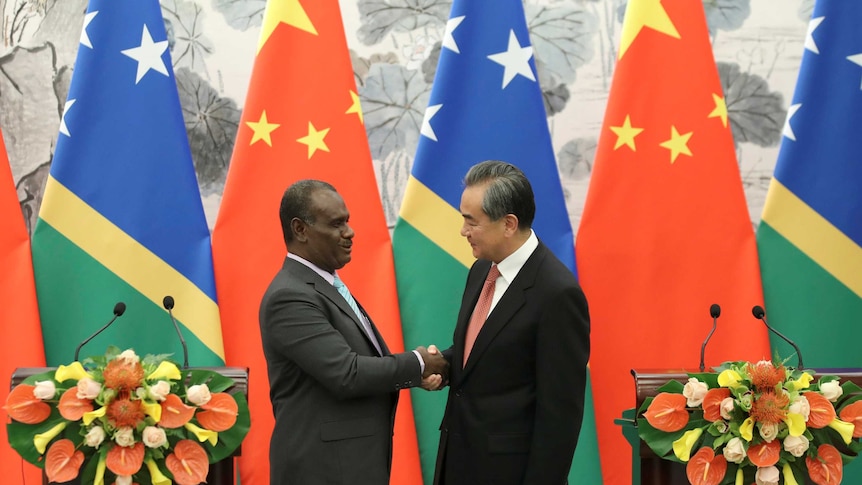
(220, 412)
(764, 454)
(706, 468)
(712, 403)
(188, 463)
(63, 461)
(822, 412)
(852, 413)
(827, 468)
(175, 413)
(23, 406)
(667, 412)
(125, 460)
(73, 408)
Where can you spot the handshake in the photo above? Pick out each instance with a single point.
(436, 374)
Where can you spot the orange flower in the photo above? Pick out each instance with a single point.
(175, 413)
(124, 412)
(827, 468)
(220, 414)
(121, 374)
(73, 408)
(770, 407)
(188, 463)
(712, 403)
(822, 412)
(125, 460)
(23, 406)
(853, 414)
(765, 454)
(667, 412)
(705, 468)
(62, 461)
(764, 375)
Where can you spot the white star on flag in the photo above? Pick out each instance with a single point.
(809, 36)
(63, 128)
(515, 60)
(856, 59)
(788, 130)
(426, 129)
(85, 38)
(148, 55)
(448, 40)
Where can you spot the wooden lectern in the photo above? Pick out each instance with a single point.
(654, 470)
(221, 473)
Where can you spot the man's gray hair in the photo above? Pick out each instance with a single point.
(509, 191)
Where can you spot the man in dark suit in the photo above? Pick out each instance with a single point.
(333, 382)
(517, 377)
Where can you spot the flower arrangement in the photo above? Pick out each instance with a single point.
(756, 423)
(120, 419)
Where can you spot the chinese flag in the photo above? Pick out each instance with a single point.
(301, 120)
(665, 231)
(20, 332)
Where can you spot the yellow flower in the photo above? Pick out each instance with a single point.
(844, 428)
(739, 477)
(100, 472)
(682, 447)
(72, 371)
(802, 383)
(202, 434)
(152, 409)
(166, 370)
(158, 477)
(746, 429)
(729, 378)
(789, 479)
(91, 415)
(41, 440)
(795, 424)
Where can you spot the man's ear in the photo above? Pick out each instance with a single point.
(299, 228)
(511, 224)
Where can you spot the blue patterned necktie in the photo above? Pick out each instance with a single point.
(366, 325)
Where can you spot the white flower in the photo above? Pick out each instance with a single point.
(801, 406)
(88, 388)
(831, 390)
(45, 390)
(199, 394)
(95, 436)
(125, 436)
(129, 357)
(160, 390)
(141, 393)
(154, 437)
(768, 431)
(123, 480)
(726, 407)
(734, 451)
(796, 445)
(694, 391)
(767, 476)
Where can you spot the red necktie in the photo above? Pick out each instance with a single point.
(480, 313)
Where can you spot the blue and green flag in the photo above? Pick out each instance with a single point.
(122, 219)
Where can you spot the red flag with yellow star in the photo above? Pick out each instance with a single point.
(665, 231)
(301, 120)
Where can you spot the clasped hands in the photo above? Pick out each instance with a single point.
(436, 374)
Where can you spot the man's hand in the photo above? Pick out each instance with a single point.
(434, 382)
(434, 362)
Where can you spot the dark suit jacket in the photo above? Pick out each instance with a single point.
(514, 412)
(332, 395)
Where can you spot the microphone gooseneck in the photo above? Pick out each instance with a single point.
(760, 314)
(168, 303)
(714, 312)
(119, 309)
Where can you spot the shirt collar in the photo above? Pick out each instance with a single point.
(323, 274)
(513, 263)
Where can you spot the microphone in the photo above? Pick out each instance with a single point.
(168, 303)
(119, 309)
(759, 314)
(714, 312)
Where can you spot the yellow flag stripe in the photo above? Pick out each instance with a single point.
(815, 236)
(131, 261)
